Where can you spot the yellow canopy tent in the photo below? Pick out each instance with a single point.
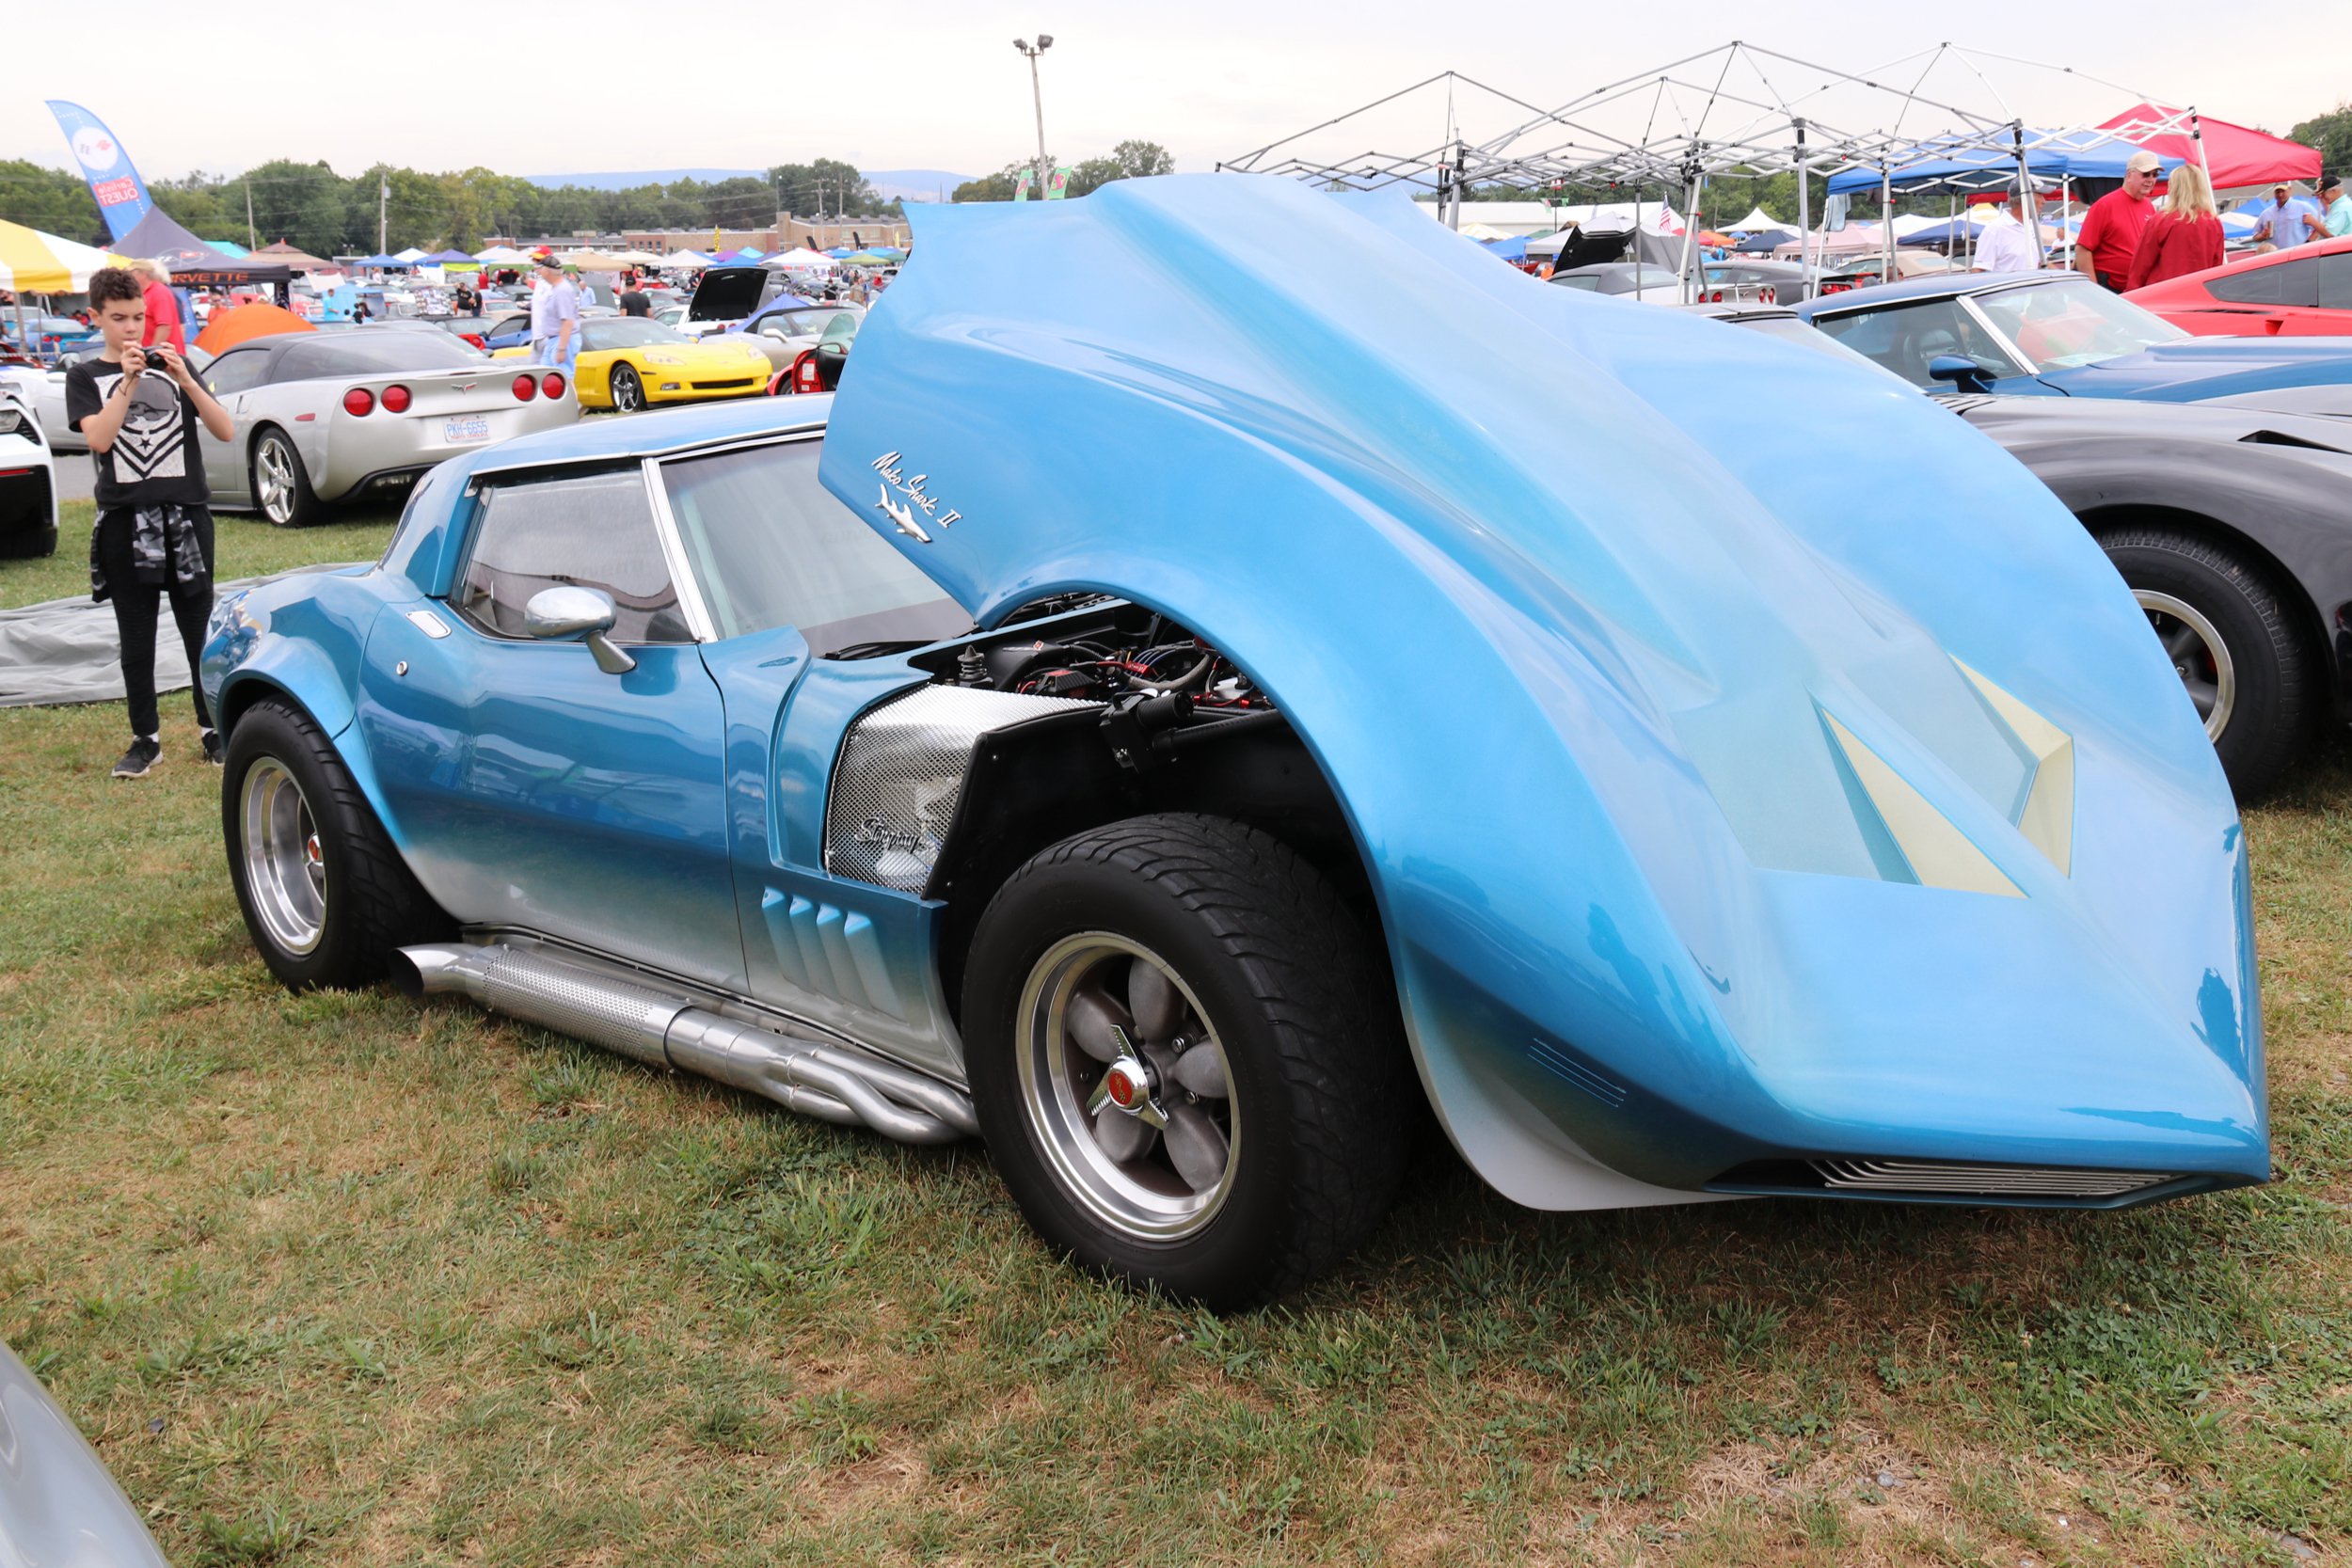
(32, 263)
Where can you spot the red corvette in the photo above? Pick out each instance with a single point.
(2294, 293)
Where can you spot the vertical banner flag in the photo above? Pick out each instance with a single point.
(1057, 183)
(1022, 186)
(122, 194)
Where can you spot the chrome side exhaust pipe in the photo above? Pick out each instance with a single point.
(652, 1027)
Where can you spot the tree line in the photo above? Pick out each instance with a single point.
(1129, 160)
(326, 213)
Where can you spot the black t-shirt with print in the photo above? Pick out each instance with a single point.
(154, 458)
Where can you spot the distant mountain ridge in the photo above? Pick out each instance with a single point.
(891, 184)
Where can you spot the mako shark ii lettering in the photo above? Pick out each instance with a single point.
(894, 476)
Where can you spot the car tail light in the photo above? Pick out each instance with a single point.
(552, 385)
(396, 399)
(358, 401)
(526, 387)
(1772, 295)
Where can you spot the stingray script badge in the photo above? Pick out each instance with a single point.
(916, 507)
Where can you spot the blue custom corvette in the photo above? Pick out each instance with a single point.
(1169, 728)
(2059, 334)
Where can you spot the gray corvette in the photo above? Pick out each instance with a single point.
(58, 1503)
(325, 417)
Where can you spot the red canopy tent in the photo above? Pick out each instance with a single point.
(2235, 157)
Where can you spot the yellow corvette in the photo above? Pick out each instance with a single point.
(628, 362)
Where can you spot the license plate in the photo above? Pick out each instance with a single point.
(472, 427)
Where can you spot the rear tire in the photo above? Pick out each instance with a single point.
(2228, 636)
(628, 392)
(1308, 1106)
(325, 896)
(281, 487)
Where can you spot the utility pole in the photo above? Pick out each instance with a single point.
(250, 241)
(383, 213)
(1037, 93)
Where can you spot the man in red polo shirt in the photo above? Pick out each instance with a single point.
(163, 309)
(2111, 235)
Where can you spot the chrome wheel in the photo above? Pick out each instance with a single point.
(1126, 1086)
(285, 871)
(273, 479)
(2198, 656)
(629, 393)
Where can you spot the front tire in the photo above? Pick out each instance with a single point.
(2230, 641)
(325, 896)
(1187, 1060)
(628, 392)
(281, 487)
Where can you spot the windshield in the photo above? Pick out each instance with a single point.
(629, 332)
(773, 547)
(1788, 329)
(2064, 326)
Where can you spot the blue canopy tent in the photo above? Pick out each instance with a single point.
(1763, 243)
(1511, 247)
(839, 251)
(452, 258)
(389, 262)
(2049, 157)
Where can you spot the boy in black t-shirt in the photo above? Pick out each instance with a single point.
(138, 408)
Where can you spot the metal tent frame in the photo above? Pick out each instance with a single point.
(1718, 112)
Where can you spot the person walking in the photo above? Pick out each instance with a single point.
(2287, 222)
(2111, 228)
(138, 408)
(2181, 236)
(2338, 206)
(634, 301)
(2007, 243)
(554, 315)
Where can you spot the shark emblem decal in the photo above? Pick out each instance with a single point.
(917, 505)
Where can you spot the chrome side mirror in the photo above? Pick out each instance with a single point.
(555, 613)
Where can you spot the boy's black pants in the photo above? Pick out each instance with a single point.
(137, 606)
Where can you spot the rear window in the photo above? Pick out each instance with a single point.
(373, 354)
(2282, 283)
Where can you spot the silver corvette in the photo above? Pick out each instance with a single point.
(325, 417)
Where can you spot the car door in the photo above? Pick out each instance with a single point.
(805, 603)
(533, 790)
(231, 379)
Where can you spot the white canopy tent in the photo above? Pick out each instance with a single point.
(1757, 222)
(412, 254)
(802, 260)
(500, 256)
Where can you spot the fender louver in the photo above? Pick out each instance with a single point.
(1928, 1178)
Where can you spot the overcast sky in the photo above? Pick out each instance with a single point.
(936, 82)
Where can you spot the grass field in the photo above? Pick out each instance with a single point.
(348, 1279)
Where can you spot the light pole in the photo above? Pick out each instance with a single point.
(1044, 42)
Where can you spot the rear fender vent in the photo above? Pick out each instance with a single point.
(2280, 438)
(1935, 1178)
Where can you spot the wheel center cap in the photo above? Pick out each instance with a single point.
(311, 849)
(1126, 1085)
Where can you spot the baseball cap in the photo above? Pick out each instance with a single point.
(2330, 182)
(2144, 162)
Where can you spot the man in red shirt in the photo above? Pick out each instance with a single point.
(2111, 228)
(162, 310)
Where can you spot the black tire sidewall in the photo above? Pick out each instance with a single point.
(269, 731)
(2252, 735)
(1224, 1262)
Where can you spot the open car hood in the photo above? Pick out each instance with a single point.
(728, 293)
(1722, 812)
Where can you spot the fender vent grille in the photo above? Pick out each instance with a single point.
(1930, 1178)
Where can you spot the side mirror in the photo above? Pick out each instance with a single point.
(1961, 372)
(557, 612)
